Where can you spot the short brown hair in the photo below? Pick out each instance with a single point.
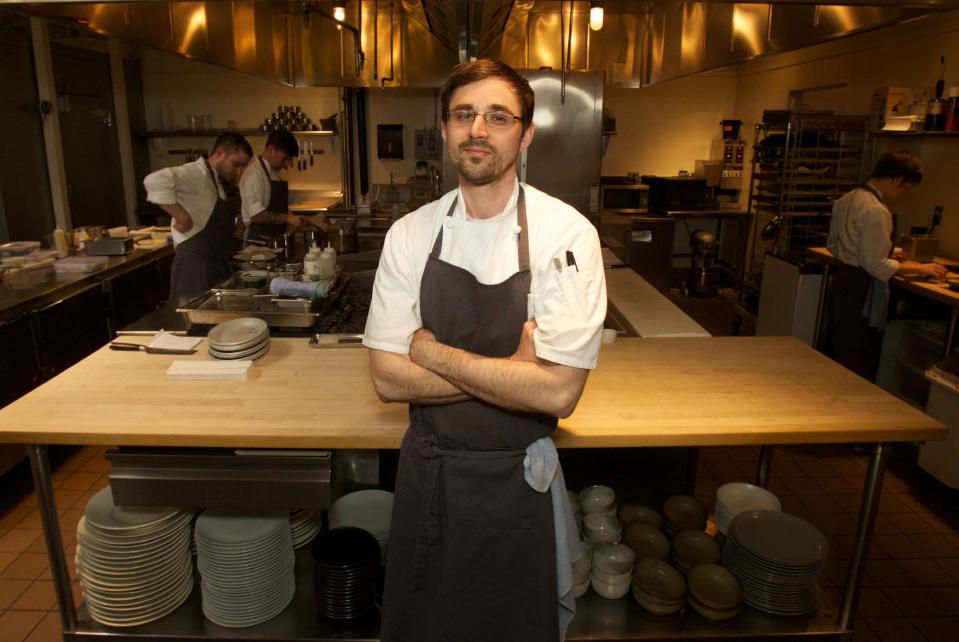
(284, 141)
(231, 143)
(899, 164)
(472, 71)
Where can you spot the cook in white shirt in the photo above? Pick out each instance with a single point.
(203, 225)
(860, 236)
(264, 195)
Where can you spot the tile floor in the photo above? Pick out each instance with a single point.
(911, 590)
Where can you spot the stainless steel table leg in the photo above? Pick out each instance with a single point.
(42, 482)
(867, 519)
(765, 461)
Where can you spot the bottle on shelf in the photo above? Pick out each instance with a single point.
(936, 110)
(952, 111)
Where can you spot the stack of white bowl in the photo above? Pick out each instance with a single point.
(612, 570)
(133, 564)
(601, 527)
(581, 568)
(305, 523)
(598, 499)
(246, 563)
(739, 497)
(371, 510)
(776, 557)
(245, 338)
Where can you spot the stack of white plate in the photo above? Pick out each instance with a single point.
(305, 523)
(738, 497)
(246, 564)
(371, 510)
(133, 564)
(246, 338)
(776, 557)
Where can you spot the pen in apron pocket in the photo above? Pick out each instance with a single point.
(571, 260)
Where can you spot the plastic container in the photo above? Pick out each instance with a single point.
(327, 262)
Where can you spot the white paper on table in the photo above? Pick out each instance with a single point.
(173, 342)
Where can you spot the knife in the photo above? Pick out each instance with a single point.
(121, 345)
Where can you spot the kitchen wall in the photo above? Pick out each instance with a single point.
(182, 87)
(905, 55)
(412, 108)
(664, 128)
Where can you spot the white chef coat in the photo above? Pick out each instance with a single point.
(569, 306)
(859, 233)
(191, 187)
(255, 188)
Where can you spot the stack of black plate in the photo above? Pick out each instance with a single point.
(345, 565)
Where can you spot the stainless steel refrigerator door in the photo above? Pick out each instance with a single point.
(564, 158)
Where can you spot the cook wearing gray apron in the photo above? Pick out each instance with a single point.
(279, 204)
(472, 553)
(203, 260)
(856, 341)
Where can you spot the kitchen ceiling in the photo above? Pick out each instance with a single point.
(414, 43)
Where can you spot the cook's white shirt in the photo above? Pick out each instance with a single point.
(255, 188)
(569, 306)
(859, 233)
(190, 186)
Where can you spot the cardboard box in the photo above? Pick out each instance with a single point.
(890, 101)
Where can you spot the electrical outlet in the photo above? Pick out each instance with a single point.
(937, 215)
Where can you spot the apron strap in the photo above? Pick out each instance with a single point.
(216, 186)
(523, 241)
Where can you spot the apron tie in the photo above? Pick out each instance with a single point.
(428, 527)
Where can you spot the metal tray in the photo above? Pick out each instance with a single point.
(219, 305)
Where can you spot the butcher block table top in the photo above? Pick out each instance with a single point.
(646, 392)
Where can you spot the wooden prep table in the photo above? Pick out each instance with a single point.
(646, 392)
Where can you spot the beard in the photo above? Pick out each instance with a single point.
(482, 170)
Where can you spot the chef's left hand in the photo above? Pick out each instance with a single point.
(899, 255)
(526, 350)
(421, 339)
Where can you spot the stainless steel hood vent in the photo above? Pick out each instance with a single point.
(380, 43)
(648, 42)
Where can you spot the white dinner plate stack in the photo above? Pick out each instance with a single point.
(305, 523)
(246, 338)
(246, 565)
(776, 557)
(371, 510)
(738, 497)
(133, 564)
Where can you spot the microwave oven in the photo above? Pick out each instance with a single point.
(625, 198)
(676, 193)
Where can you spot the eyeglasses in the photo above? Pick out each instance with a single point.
(494, 119)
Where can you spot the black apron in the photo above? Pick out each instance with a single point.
(854, 344)
(472, 553)
(203, 260)
(279, 204)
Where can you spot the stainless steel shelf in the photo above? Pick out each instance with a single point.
(596, 619)
(213, 133)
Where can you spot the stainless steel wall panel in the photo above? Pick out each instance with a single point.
(750, 28)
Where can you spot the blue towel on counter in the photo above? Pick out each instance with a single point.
(877, 304)
(543, 472)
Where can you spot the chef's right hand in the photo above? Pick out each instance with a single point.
(183, 224)
(934, 271)
(526, 350)
(295, 221)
